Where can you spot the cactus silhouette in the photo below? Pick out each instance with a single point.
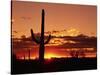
(41, 42)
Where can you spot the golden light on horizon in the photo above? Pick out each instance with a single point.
(53, 55)
(50, 55)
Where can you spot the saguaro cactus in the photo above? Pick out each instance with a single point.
(41, 42)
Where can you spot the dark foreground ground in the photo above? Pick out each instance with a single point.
(53, 65)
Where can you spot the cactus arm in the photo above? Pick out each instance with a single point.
(47, 39)
(33, 37)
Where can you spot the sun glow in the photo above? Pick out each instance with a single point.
(49, 56)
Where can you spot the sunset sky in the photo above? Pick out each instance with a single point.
(27, 15)
(61, 19)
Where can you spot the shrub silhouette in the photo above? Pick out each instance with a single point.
(77, 54)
